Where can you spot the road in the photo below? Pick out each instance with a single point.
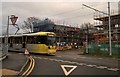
(85, 65)
(66, 63)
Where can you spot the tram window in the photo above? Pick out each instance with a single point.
(18, 40)
(24, 39)
(37, 40)
(42, 39)
(30, 40)
(9, 40)
(3, 40)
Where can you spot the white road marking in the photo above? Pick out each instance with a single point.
(67, 61)
(60, 60)
(89, 65)
(83, 57)
(51, 59)
(39, 57)
(20, 53)
(74, 58)
(113, 69)
(35, 57)
(68, 66)
(45, 58)
(100, 58)
(3, 58)
(59, 56)
(81, 64)
(101, 67)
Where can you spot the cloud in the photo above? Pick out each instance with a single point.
(68, 12)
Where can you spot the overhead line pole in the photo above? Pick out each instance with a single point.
(110, 45)
(94, 9)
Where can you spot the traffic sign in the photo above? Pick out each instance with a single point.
(13, 19)
(67, 69)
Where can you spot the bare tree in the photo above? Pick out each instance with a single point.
(30, 23)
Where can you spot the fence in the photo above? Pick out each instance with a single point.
(103, 48)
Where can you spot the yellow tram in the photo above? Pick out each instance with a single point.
(40, 42)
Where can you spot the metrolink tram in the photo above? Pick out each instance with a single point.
(40, 42)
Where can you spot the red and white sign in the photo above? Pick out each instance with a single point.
(13, 19)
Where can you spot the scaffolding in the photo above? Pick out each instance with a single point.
(101, 23)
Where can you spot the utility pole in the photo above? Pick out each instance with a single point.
(109, 30)
(110, 46)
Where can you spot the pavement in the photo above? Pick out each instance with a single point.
(12, 64)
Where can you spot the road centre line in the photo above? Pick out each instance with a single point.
(39, 57)
(90, 65)
(113, 69)
(101, 67)
(58, 56)
(35, 57)
(83, 64)
(52, 59)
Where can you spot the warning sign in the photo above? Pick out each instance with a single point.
(13, 19)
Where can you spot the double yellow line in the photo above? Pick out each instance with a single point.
(30, 68)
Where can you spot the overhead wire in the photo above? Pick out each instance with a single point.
(72, 11)
(66, 12)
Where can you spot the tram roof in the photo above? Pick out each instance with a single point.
(40, 33)
(32, 34)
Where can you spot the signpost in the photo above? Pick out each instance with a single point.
(13, 20)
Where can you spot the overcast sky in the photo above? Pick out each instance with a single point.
(69, 13)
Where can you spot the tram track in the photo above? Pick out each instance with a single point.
(30, 68)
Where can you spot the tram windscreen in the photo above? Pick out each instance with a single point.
(48, 40)
(51, 40)
(42, 40)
